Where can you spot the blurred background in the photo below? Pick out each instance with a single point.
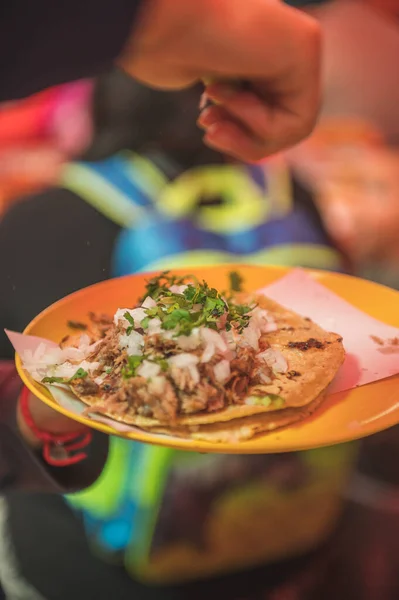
(331, 528)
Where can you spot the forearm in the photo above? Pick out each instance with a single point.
(45, 42)
(21, 466)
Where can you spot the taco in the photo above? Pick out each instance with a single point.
(189, 359)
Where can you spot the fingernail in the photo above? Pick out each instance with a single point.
(205, 119)
(215, 134)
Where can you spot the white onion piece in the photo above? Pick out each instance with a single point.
(84, 341)
(149, 303)
(194, 373)
(177, 289)
(251, 335)
(99, 380)
(89, 366)
(137, 314)
(208, 353)
(73, 354)
(133, 343)
(66, 370)
(210, 336)
(118, 316)
(189, 342)
(184, 360)
(263, 320)
(148, 369)
(222, 371)
(264, 378)
(275, 360)
(154, 326)
(231, 338)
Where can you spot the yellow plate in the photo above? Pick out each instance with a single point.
(331, 424)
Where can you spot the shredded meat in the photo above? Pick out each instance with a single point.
(86, 387)
(179, 393)
(100, 324)
(183, 380)
(245, 362)
(204, 397)
(108, 352)
(160, 346)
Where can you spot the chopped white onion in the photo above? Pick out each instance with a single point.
(177, 289)
(66, 370)
(137, 314)
(148, 369)
(181, 361)
(188, 362)
(84, 341)
(99, 380)
(189, 342)
(231, 338)
(275, 360)
(149, 303)
(222, 371)
(154, 326)
(265, 378)
(194, 373)
(208, 353)
(263, 320)
(251, 335)
(214, 342)
(132, 343)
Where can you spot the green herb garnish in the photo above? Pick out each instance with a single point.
(80, 374)
(236, 281)
(145, 322)
(199, 305)
(133, 363)
(160, 284)
(77, 325)
(130, 320)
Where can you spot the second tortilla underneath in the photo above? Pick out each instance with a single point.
(243, 429)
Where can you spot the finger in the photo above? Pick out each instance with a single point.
(211, 115)
(279, 121)
(246, 107)
(228, 137)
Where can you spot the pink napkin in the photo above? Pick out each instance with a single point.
(370, 344)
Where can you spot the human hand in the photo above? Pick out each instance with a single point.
(46, 419)
(273, 48)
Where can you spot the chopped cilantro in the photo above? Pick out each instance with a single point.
(133, 362)
(145, 322)
(236, 281)
(177, 317)
(80, 374)
(130, 320)
(163, 363)
(199, 305)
